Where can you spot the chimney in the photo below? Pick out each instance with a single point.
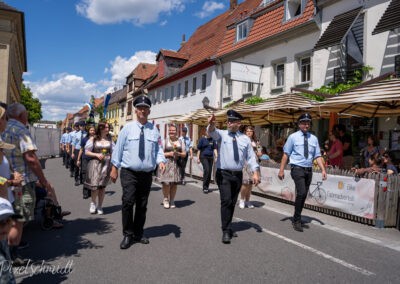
(183, 40)
(233, 4)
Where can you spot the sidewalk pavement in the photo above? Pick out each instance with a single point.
(385, 237)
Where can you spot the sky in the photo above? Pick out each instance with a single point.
(79, 48)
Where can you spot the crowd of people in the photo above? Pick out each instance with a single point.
(94, 160)
(22, 179)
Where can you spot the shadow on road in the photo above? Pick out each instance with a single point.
(245, 225)
(183, 203)
(162, 231)
(112, 209)
(109, 192)
(49, 245)
(257, 204)
(304, 219)
(45, 278)
(155, 188)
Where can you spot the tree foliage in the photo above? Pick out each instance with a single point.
(32, 105)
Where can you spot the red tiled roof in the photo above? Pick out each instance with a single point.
(217, 37)
(265, 26)
(144, 70)
(171, 53)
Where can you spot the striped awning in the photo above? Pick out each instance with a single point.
(379, 99)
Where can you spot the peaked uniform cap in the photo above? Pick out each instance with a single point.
(142, 101)
(233, 115)
(304, 117)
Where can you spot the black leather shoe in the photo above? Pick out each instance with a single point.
(233, 234)
(226, 238)
(142, 240)
(77, 183)
(297, 226)
(205, 191)
(126, 242)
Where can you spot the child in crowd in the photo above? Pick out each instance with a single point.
(6, 220)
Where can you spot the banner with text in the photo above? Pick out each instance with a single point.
(342, 193)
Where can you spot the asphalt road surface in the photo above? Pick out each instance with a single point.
(185, 243)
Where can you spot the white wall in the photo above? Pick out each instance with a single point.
(163, 112)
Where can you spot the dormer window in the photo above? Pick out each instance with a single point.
(294, 8)
(242, 30)
(266, 2)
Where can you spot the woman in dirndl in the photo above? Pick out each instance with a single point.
(245, 190)
(174, 150)
(99, 148)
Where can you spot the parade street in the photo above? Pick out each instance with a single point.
(185, 243)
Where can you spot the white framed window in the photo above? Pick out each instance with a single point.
(166, 94)
(242, 30)
(186, 91)
(294, 8)
(279, 75)
(203, 81)
(178, 90)
(172, 93)
(305, 69)
(229, 89)
(194, 85)
(249, 87)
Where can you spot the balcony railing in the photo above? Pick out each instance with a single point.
(345, 74)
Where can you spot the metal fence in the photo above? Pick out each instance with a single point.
(386, 199)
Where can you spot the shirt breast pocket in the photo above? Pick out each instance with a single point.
(312, 146)
(152, 141)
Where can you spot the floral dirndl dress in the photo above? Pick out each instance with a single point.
(98, 172)
(171, 173)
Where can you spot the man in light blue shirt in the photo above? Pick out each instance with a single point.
(137, 152)
(301, 149)
(76, 146)
(72, 141)
(68, 148)
(234, 150)
(62, 146)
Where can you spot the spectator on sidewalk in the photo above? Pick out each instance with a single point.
(189, 153)
(345, 138)
(335, 153)
(388, 164)
(99, 148)
(23, 159)
(207, 150)
(7, 217)
(137, 152)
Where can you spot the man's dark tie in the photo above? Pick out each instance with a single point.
(305, 146)
(235, 148)
(141, 144)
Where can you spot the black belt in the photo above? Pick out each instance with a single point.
(230, 172)
(304, 168)
(137, 172)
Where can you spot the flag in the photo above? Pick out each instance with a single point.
(106, 101)
(89, 106)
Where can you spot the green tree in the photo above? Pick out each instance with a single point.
(32, 105)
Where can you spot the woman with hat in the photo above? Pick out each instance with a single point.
(174, 149)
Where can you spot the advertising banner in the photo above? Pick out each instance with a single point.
(245, 72)
(342, 193)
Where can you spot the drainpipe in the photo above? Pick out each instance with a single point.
(222, 81)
